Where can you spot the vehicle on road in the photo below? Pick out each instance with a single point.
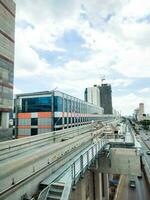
(132, 183)
(148, 152)
(140, 176)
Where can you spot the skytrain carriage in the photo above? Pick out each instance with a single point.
(41, 112)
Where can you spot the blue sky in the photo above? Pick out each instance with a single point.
(72, 43)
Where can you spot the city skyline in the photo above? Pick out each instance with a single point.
(69, 48)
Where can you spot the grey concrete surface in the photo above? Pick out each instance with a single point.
(6, 134)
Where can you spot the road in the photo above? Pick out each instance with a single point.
(141, 192)
(145, 143)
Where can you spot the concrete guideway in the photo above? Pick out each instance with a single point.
(28, 169)
(18, 146)
(23, 166)
(77, 170)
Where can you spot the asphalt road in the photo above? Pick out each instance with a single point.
(141, 192)
(145, 145)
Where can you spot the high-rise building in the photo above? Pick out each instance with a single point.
(106, 98)
(141, 111)
(136, 113)
(92, 95)
(141, 108)
(7, 29)
(101, 96)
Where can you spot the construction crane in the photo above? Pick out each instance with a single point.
(102, 76)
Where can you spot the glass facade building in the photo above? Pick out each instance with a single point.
(41, 112)
(7, 29)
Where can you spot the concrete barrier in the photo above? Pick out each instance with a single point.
(6, 134)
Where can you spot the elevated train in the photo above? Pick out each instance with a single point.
(40, 112)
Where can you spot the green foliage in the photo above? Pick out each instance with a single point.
(145, 124)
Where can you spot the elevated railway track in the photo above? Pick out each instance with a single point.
(30, 160)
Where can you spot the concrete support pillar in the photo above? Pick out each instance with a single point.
(105, 185)
(84, 188)
(5, 120)
(98, 185)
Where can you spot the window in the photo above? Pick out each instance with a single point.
(65, 120)
(38, 104)
(72, 119)
(33, 131)
(69, 106)
(65, 105)
(58, 104)
(34, 121)
(69, 120)
(57, 121)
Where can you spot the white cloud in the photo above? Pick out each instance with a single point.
(134, 62)
(27, 61)
(127, 103)
(121, 82)
(145, 90)
(17, 90)
(47, 9)
(120, 44)
(136, 8)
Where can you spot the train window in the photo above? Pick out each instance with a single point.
(69, 105)
(58, 104)
(73, 106)
(65, 105)
(72, 119)
(65, 120)
(34, 121)
(38, 104)
(34, 131)
(57, 121)
(69, 120)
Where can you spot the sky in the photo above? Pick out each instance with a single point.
(69, 45)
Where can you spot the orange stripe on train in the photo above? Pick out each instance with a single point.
(24, 126)
(44, 114)
(24, 115)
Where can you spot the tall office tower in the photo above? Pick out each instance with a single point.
(92, 95)
(106, 98)
(141, 108)
(136, 113)
(7, 29)
(141, 111)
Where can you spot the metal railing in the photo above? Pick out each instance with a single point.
(79, 166)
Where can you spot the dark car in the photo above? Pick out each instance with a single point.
(132, 183)
(148, 152)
